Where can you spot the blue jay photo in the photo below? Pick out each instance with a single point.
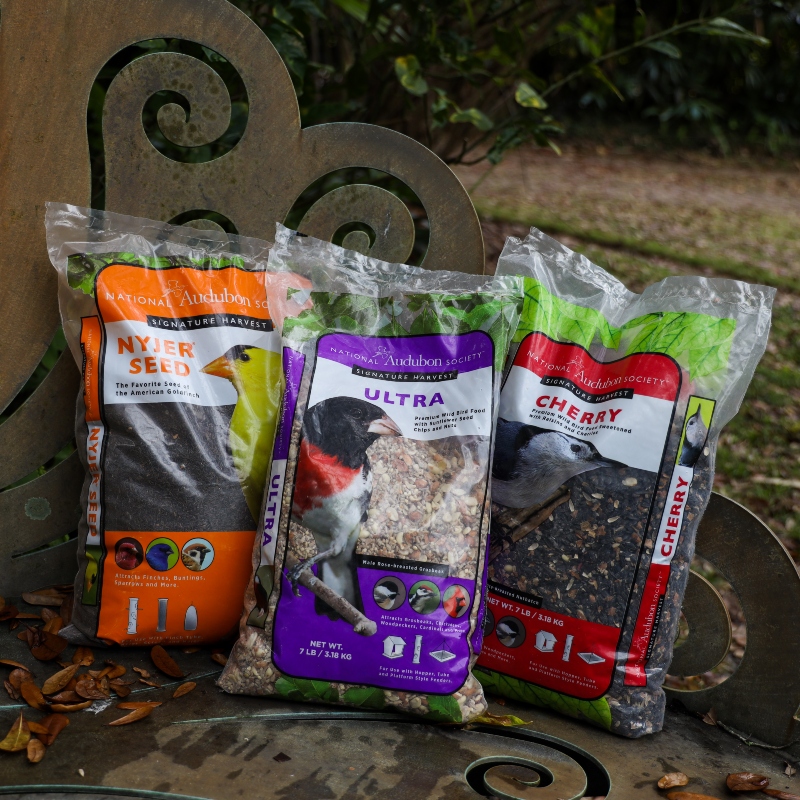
(531, 463)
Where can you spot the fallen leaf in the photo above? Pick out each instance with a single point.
(673, 779)
(8, 612)
(220, 658)
(32, 695)
(116, 671)
(134, 716)
(2, 602)
(790, 770)
(65, 612)
(504, 720)
(55, 683)
(190, 649)
(46, 646)
(83, 656)
(9, 663)
(184, 688)
(150, 683)
(165, 662)
(139, 704)
(66, 709)
(143, 672)
(18, 677)
(54, 625)
(119, 688)
(35, 751)
(746, 782)
(710, 717)
(780, 795)
(88, 688)
(27, 615)
(17, 738)
(36, 727)
(55, 723)
(67, 696)
(44, 597)
(281, 757)
(13, 625)
(12, 692)
(689, 796)
(48, 614)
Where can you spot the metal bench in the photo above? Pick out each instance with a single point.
(218, 746)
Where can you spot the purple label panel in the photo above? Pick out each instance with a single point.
(420, 646)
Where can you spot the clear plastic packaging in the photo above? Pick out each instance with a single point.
(182, 383)
(376, 510)
(609, 419)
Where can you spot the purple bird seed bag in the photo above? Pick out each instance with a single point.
(609, 418)
(376, 514)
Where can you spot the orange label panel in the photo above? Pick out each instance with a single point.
(173, 587)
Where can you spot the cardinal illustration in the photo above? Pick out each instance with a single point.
(456, 604)
(333, 487)
(128, 555)
(194, 554)
(256, 375)
(531, 463)
(158, 556)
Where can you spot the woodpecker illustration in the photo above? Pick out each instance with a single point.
(531, 463)
(694, 440)
(384, 595)
(193, 555)
(423, 599)
(158, 556)
(256, 375)
(127, 555)
(333, 488)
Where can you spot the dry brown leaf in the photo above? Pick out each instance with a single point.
(54, 625)
(12, 692)
(13, 625)
(55, 723)
(67, 696)
(66, 709)
(190, 649)
(116, 671)
(143, 672)
(689, 796)
(672, 779)
(45, 645)
(65, 612)
(184, 688)
(36, 727)
(150, 683)
(710, 717)
(780, 795)
(8, 612)
(48, 614)
(790, 769)
(17, 738)
(55, 683)
(83, 656)
(18, 677)
(88, 688)
(44, 597)
(134, 716)
(2, 602)
(10, 663)
(32, 695)
(120, 689)
(220, 658)
(165, 662)
(746, 782)
(35, 751)
(129, 705)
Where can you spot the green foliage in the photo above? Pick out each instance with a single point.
(306, 690)
(595, 711)
(702, 340)
(443, 708)
(413, 314)
(365, 697)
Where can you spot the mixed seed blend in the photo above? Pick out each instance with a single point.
(369, 571)
(609, 418)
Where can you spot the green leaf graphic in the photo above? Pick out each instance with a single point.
(309, 691)
(443, 708)
(595, 711)
(365, 697)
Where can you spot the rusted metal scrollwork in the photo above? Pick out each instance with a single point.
(44, 95)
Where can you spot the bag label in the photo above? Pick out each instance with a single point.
(424, 389)
(572, 416)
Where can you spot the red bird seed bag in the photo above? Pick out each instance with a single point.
(609, 419)
(369, 565)
(182, 382)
